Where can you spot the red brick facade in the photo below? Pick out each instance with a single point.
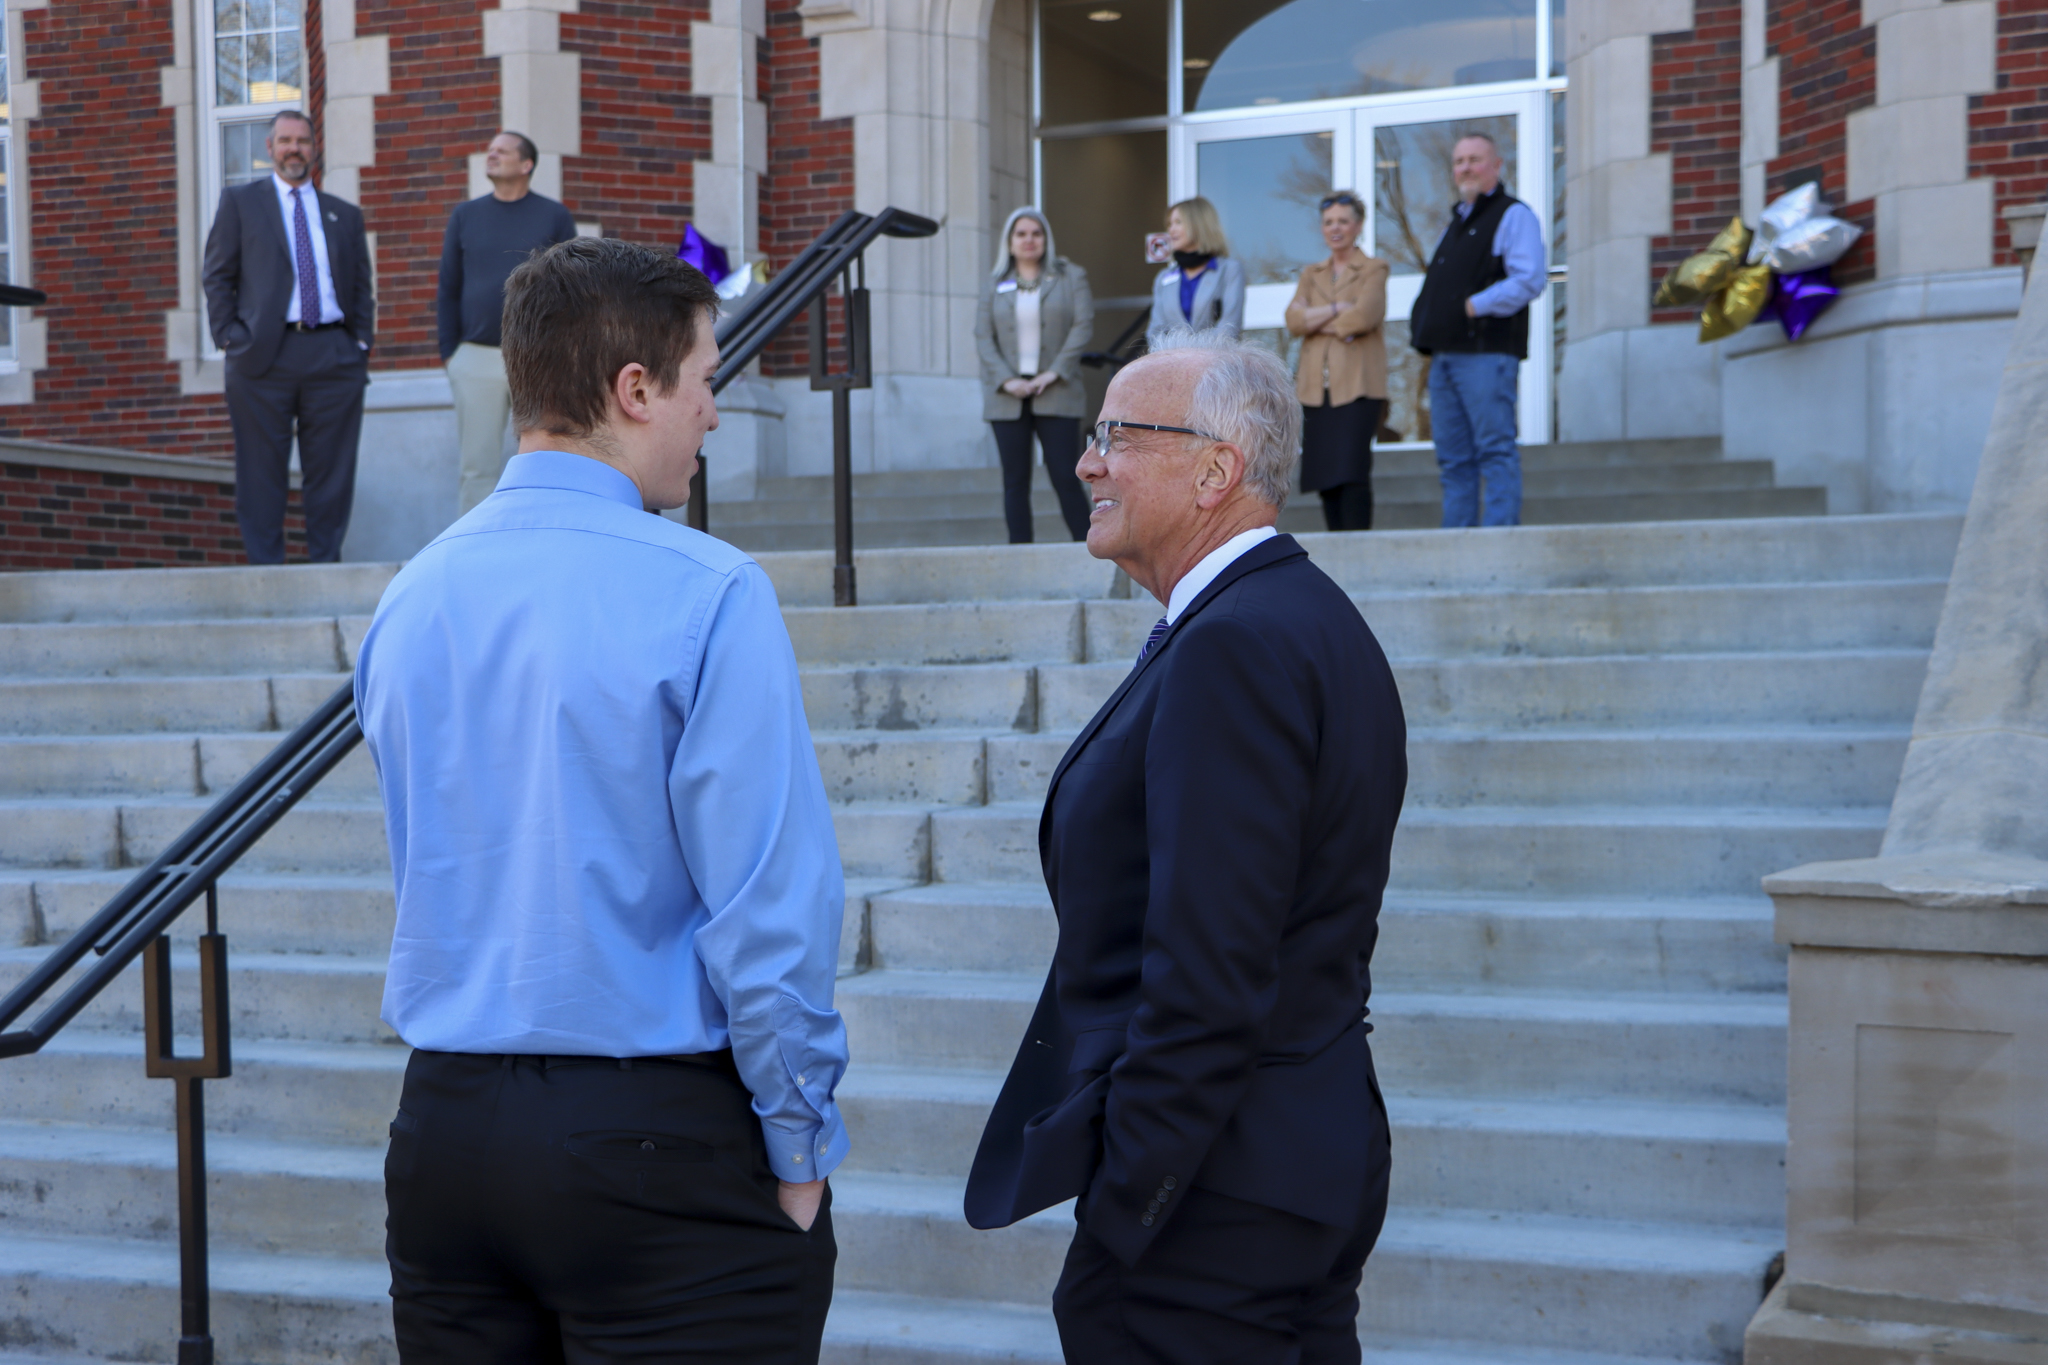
(1827, 70)
(810, 161)
(53, 518)
(2009, 127)
(1696, 117)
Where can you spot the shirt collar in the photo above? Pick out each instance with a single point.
(572, 473)
(1210, 567)
(284, 189)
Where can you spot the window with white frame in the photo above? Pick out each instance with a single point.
(256, 68)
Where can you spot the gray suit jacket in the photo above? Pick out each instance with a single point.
(249, 276)
(1066, 319)
(1219, 300)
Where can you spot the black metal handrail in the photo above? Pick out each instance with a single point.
(135, 922)
(804, 284)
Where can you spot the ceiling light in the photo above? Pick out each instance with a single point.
(1196, 63)
(1105, 16)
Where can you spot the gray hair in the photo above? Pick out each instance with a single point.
(1245, 397)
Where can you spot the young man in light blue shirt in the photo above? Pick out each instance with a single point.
(619, 893)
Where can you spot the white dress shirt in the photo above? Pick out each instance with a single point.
(1211, 564)
(330, 306)
(1029, 329)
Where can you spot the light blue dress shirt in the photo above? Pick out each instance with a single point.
(316, 232)
(608, 829)
(1518, 241)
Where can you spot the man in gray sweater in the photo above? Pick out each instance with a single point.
(487, 238)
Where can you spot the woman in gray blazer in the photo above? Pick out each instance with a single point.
(1035, 317)
(1204, 287)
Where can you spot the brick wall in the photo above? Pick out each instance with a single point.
(810, 163)
(2009, 127)
(443, 106)
(642, 128)
(55, 518)
(1827, 70)
(103, 180)
(1696, 116)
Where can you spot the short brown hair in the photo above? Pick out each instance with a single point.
(581, 311)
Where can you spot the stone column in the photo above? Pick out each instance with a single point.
(1621, 377)
(1917, 1174)
(540, 87)
(358, 70)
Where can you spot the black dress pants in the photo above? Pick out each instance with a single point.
(1226, 1282)
(578, 1210)
(314, 390)
(1060, 439)
(1348, 507)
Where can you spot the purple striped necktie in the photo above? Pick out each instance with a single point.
(302, 248)
(1152, 640)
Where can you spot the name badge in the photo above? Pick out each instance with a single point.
(1007, 287)
(1172, 277)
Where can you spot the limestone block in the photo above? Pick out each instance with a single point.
(337, 21)
(1803, 407)
(1919, 1115)
(1803, 1324)
(1588, 26)
(1935, 228)
(31, 342)
(1930, 391)
(28, 99)
(1877, 11)
(1760, 112)
(343, 182)
(527, 30)
(750, 15)
(1592, 388)
(1908, 145)
(557, 6)
(181, 334)
(361, 67)
(1610, 286)
(541, 94)
(1614, 80)
(853, 76)
(175, 85)
(1625, 199)
(715, 60)
(351, 135)
(1950, 49)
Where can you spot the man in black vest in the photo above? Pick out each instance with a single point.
(1472, 318)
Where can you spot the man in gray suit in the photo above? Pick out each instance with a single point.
(289, 299)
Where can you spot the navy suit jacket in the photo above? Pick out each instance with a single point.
(250, 278)
(1216, 845)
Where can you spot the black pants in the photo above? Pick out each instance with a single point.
(575, 1210)
(1060, 439)
(1348, 507)
(314, 389)
(1226, 1282)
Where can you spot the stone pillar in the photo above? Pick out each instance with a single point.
(1917, 1173)
(358, 70)
(1621, 377)
(724, 66)
(540, 87)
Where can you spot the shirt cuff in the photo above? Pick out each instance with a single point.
(800, 1156)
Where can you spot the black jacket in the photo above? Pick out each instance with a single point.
(1216, 844)
(1463, 265)
(249, 276)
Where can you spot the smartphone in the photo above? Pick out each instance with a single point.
(1157, 250)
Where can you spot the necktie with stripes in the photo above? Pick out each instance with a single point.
(302, 248)
(1158, 629)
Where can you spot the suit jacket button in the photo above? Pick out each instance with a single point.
(1168, 1182)
(1152, 1207)
(1160, 1195)
(1146, 1220)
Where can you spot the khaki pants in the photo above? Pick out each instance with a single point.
(483, 401)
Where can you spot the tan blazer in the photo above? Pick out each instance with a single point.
(1066, 319)
(1353, 363)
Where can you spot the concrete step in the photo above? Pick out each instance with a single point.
(985, 697)
(1427, 940)
(156, 764)
(1830, 687)
(1682, 1048)
(1552, 851)
(102, 649)
(281, 591)
(938, 633)
(1710, 765)
(1577, 622)
(1519, 559)
(123, 706)
(260, 912)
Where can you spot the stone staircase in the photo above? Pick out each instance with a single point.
(1567, 484)
(1615, 731)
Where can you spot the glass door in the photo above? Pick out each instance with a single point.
(1264, 175)
(1412, 198)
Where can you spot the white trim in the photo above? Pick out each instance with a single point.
(28, 349)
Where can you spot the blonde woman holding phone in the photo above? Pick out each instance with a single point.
(1034, 320)
(1203, 289)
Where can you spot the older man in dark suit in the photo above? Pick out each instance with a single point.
(1216, 844)
(289, 299)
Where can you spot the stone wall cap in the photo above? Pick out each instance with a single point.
(1935, 880)
(1985, 904)
(100, 459)
(1912, 300)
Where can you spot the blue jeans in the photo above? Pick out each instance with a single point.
(1472, 412)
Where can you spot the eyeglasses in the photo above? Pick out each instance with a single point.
(1348, 200)
(1100, 436)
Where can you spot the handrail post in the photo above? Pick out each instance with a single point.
(195, 1334)
(844, 594)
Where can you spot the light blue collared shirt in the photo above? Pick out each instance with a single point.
(323, 276)
(1518, 241)
(608, 829)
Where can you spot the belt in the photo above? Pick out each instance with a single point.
(316, 327)
(720, 1061)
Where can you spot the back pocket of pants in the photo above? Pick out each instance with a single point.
(403, 1154)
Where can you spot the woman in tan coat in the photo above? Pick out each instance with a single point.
(1342, 383)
